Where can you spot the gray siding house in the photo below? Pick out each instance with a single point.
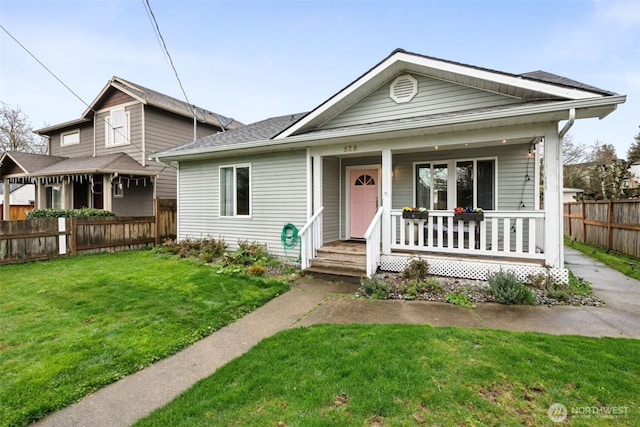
(413, 133)
(101, 159)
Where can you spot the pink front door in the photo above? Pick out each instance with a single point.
(363, 200)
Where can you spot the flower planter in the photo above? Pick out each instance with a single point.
(469, 216)
(415, 215)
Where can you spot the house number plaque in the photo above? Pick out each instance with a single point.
(350, 148)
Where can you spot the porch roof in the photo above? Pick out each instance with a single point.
(114, 163)
(19, 163)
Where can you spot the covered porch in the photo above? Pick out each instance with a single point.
(499, 174)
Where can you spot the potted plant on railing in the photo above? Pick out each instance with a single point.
(468, 214)
(409, 212)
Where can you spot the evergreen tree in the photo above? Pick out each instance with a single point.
(633, 155)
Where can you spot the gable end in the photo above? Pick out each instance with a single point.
(403, 89)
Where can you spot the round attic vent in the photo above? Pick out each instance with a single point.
(403, 89)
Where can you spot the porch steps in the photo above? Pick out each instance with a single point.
(341, 261)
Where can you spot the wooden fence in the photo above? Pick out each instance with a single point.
(39, 239)
(16, 212)
(611, 224)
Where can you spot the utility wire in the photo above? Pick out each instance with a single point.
(43, 66)
(163, 45)
(107, 123)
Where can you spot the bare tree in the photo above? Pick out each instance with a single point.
(16, 133)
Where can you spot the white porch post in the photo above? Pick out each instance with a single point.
(107, 193)
(317, 183)
(41, 195)
(387, 171)
(309, 184)
(6, 204)
(553, 230)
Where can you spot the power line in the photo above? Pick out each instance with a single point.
(107, 123)
(43, 66)
(163, 45)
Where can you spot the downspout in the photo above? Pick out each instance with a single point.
(567, 126)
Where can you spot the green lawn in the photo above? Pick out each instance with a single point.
(399, 375)
(70, 326)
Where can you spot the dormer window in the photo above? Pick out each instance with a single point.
(117, 127)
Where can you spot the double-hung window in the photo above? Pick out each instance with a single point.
(235, 190)
(117, 127)
(447, 184)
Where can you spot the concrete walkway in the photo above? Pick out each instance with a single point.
(312, 301)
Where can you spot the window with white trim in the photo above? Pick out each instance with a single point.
(444, 185)
(117, 124)
(70, 138)
(235, 190)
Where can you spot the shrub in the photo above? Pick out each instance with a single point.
(433, 285)
(68, 213)
(410, 289)
(256, 270)
(550, 287)
(507, 289)
(459, 299)
(374, 287)
(248, 253)
(208, 250)
(417, 269)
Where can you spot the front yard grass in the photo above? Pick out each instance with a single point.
(412, 375)
(70, 326)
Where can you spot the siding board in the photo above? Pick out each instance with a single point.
(434, 97)
(273, 204)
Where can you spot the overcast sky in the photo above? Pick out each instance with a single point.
(259, 59)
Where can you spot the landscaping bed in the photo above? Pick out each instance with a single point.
(477, 291)
(414, 283)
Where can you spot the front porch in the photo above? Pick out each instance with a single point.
(472, 249)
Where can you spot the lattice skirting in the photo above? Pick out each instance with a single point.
(471, 269)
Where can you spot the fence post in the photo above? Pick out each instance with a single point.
(609, 222)
(73, 229)
(584, 225)
(157, 220)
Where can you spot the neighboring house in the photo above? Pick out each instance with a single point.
(411, 131)
(101, 159)
(19, 194)
(21, 200)
(571, 195)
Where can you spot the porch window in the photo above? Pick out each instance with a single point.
(118, 190)
(117, 127)
(235, 190)
(53, 196)
(445, 185)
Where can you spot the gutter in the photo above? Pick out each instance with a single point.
(303, 140)
(157, 159)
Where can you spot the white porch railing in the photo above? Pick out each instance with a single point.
(372, 237)
(501, 234)
(310, 239)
